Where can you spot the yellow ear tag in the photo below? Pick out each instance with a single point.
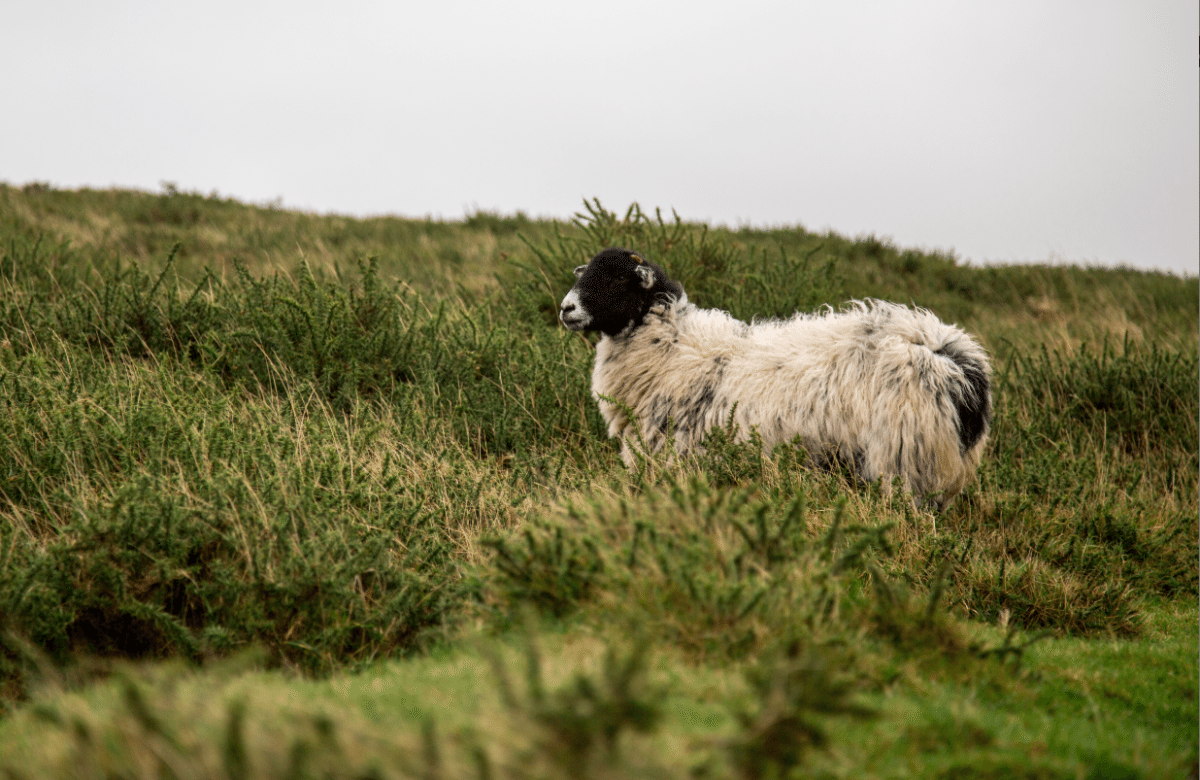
(638, 258)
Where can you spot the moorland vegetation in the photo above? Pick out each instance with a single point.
(285, 494)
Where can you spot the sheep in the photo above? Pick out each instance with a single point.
(888, 390)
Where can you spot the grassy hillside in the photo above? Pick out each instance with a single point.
(287, 495)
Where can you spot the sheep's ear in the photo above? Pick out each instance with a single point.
(579, 269)
(646, 274)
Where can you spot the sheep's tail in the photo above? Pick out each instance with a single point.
(968, 383)
(971, 390)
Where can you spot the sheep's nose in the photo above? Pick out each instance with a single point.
(571, 314)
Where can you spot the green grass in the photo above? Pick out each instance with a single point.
(295, 495)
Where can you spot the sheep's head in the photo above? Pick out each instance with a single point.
(614, 291)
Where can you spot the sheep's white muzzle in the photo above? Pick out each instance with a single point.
(572, 314)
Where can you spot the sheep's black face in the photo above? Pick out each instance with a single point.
(614, 291)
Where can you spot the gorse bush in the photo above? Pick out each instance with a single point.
(586, 716)
(716, 572)
(172, 521)
(498, 381)
(1082, 452)
(1138, 399)
(791, 690)
(714, 270)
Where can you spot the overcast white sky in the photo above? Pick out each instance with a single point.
(1007, 131)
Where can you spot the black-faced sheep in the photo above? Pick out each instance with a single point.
(885, 389)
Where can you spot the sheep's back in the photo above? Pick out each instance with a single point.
(686, 368)
(892, 391)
